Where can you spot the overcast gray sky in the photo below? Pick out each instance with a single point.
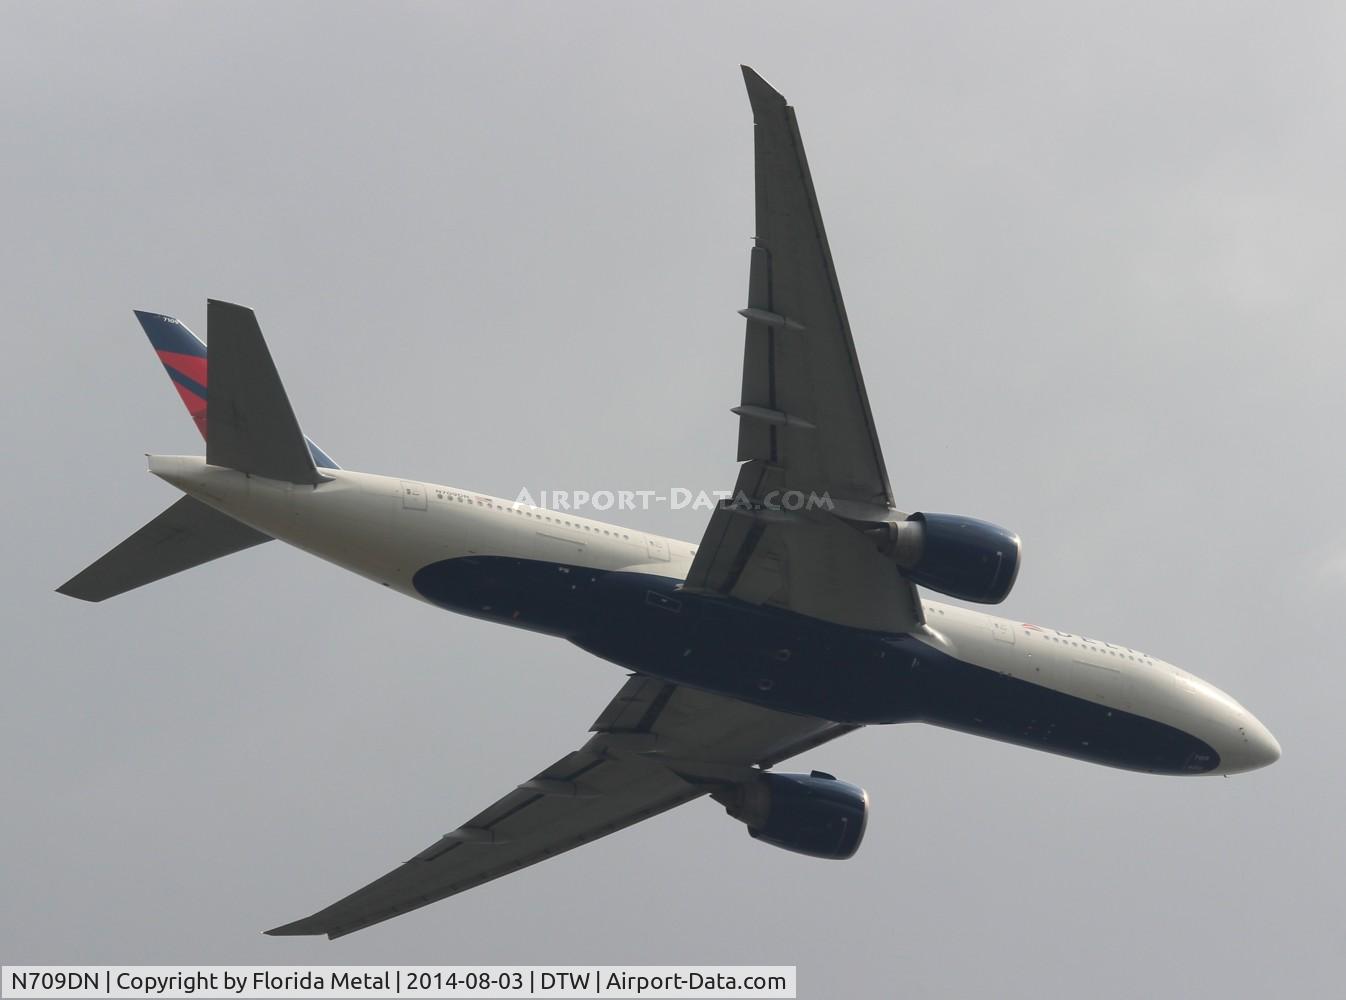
(1093, 257)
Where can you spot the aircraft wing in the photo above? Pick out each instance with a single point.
(806, 435)
(655, 746)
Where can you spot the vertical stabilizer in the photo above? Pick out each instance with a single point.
(187, 363)
(252, 427)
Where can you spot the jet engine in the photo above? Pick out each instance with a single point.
(813, 814)
(954, 555)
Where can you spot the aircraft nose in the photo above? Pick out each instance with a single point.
(1256, 747)
(1268, 749)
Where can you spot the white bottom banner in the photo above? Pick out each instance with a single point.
(427, 981)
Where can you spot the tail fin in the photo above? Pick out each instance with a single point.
(254, 430)
(187, 534)
(185, 359)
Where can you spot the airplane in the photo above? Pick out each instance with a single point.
(795, 620)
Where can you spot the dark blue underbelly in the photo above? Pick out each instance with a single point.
(788, 662)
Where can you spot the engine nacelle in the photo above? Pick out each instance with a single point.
(955, 555)
(813, 814)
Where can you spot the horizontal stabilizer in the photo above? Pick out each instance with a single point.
(252, 427)
(187, 534)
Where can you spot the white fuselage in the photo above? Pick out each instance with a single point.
(386, 529)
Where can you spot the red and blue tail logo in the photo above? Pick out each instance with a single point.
(184, 358)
